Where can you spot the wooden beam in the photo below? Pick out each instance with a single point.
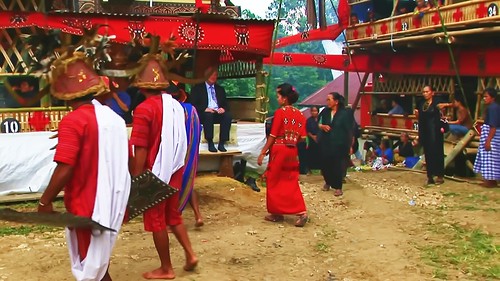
(361, 87)
(459, 147)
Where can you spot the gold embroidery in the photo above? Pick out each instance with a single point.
(157, 74)
(81, 76)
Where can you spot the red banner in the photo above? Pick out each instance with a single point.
(485, 62)
(251, 36)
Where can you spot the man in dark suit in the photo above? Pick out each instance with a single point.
(210, 101)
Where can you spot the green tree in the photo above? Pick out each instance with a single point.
(306, 80)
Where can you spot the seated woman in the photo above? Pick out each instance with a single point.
(404, 149)
(385, 151)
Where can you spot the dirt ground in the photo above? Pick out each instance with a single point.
(374, 232)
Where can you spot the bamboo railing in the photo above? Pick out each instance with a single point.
(455, 16)
(23, 115)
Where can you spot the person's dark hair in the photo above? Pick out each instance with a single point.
(288, 91)
(150, 91)
(338, 97)
(430, 87)
(386, 143)
(172, 90)
(460, 99)
(492, 93)
(88, 97)
(316, 107)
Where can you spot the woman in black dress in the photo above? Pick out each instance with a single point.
(335, 139)
(312, 129)
(430, 135)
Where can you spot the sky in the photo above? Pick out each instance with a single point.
(258, 7)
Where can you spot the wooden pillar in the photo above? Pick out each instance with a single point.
(262, 100)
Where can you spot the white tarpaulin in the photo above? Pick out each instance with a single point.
(26, 161)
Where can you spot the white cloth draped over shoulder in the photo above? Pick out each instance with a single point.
(173, 144)
(113, 189)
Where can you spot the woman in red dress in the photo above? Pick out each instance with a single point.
(284, 196)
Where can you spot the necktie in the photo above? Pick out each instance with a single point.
(212, 92)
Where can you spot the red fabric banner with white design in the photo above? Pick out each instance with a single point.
(478, 62)
(251, 36)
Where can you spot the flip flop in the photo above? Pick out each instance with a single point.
(274, 218)
(338, 192)
(301, 221)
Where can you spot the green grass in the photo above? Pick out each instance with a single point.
(322, 247)
(450, 194)
(57, 204)
(25, 230)
(471, 251)
(31, 206)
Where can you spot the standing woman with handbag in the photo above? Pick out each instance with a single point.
(283, 195)
(430, 135)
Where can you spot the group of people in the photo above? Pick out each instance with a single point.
(96, 160)
(403, 7)
(431, 136)
(332, 140)
(330, 134)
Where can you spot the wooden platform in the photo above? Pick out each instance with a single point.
(225, 161)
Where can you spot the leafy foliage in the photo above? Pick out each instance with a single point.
(306, 80)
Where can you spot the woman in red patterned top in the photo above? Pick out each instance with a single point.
(284, 196)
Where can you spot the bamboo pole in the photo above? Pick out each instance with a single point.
(34, 109)
(459, 147)
(260, 91)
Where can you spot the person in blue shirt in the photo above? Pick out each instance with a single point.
(396, 108)
(385, 151)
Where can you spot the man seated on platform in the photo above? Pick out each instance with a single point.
(396, 108)
(210, 101)
(464, 122)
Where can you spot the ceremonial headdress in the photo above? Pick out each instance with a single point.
(151, 74)
(72, 77)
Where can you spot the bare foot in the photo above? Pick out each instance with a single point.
(159, 273)
(199, 223)
(191, 264)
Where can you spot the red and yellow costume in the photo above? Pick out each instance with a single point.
(282, 176)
